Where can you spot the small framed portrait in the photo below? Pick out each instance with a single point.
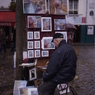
(46, 24)
(30, 35)
(47, 44)
(34, 21)
(29, 44)
(59, 24)
(37, 44)
(32, 74)
(37, 53)
(30, 54)
(90, 30)
(64, 34)
(45, 53)
(36, 35)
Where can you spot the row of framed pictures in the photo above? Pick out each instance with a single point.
(37, 53)
(46, 44)
(45, 23)
(31, 36)
(43, 6)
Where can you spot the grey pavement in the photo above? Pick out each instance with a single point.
(84, 84)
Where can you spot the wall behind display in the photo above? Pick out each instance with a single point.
(37, 33)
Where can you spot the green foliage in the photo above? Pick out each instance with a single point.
(12, 6)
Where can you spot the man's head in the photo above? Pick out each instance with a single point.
(57, 38)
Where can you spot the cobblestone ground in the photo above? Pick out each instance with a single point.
(84, 83)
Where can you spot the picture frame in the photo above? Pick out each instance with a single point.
(32, 91)
(59, 7)
(45, 53)
(32, 74)
(37, 44)
(64, 34)
(29, 44)
(30, 54)
(19, 84)
(90, 30)
(59, 24)
(21, 90)
(47, 44)
(34, 21)
(34, 6)
(37, 53)
(46, 24)
(36, 35)
(30, 35)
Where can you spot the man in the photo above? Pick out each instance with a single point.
(14, 39)
(61, 67)
(2, 40)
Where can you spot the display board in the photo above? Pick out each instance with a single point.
(40, 30)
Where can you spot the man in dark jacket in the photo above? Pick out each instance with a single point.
(2, 40)
(61, 67)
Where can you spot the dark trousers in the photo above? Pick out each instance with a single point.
(4, 47)
(13, 46)
(47, 88)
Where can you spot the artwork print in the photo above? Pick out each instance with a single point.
(37, 53)
(36, 35)
(47, 44)
(30, 44)
(34, 6)
(29, 35)
(34, 21)
(46, 24)
(45, 53)
(59, 7)
(30, 54)
(59, 24)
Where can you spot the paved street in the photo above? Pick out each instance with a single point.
(84, 83)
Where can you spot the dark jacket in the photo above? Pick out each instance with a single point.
(62, 64)
(2, 38)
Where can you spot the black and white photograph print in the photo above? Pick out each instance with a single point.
(36, 34)
(29, 44)
(32, 74)
(30, 54)
(37, 53)
(46, 24)
(59, 24)
(45, 53)
(34, 6)
(90, 30)
(37, 44)
(30, 35)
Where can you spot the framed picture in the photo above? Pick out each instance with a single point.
(30, 54)
(30, 35)
(59, 7)
(32, 91)
(90, 30)
(45, 53)
(29, 44)
(37, 53)
(34, 6)
(64, 34)
(59, 24)
(32, 74)
(21, 90)
(34, 21)
(47, 44)
(37, 44)
(19, 84)
(46, 24)
(36, 35)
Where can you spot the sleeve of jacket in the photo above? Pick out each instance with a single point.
(53, 66)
